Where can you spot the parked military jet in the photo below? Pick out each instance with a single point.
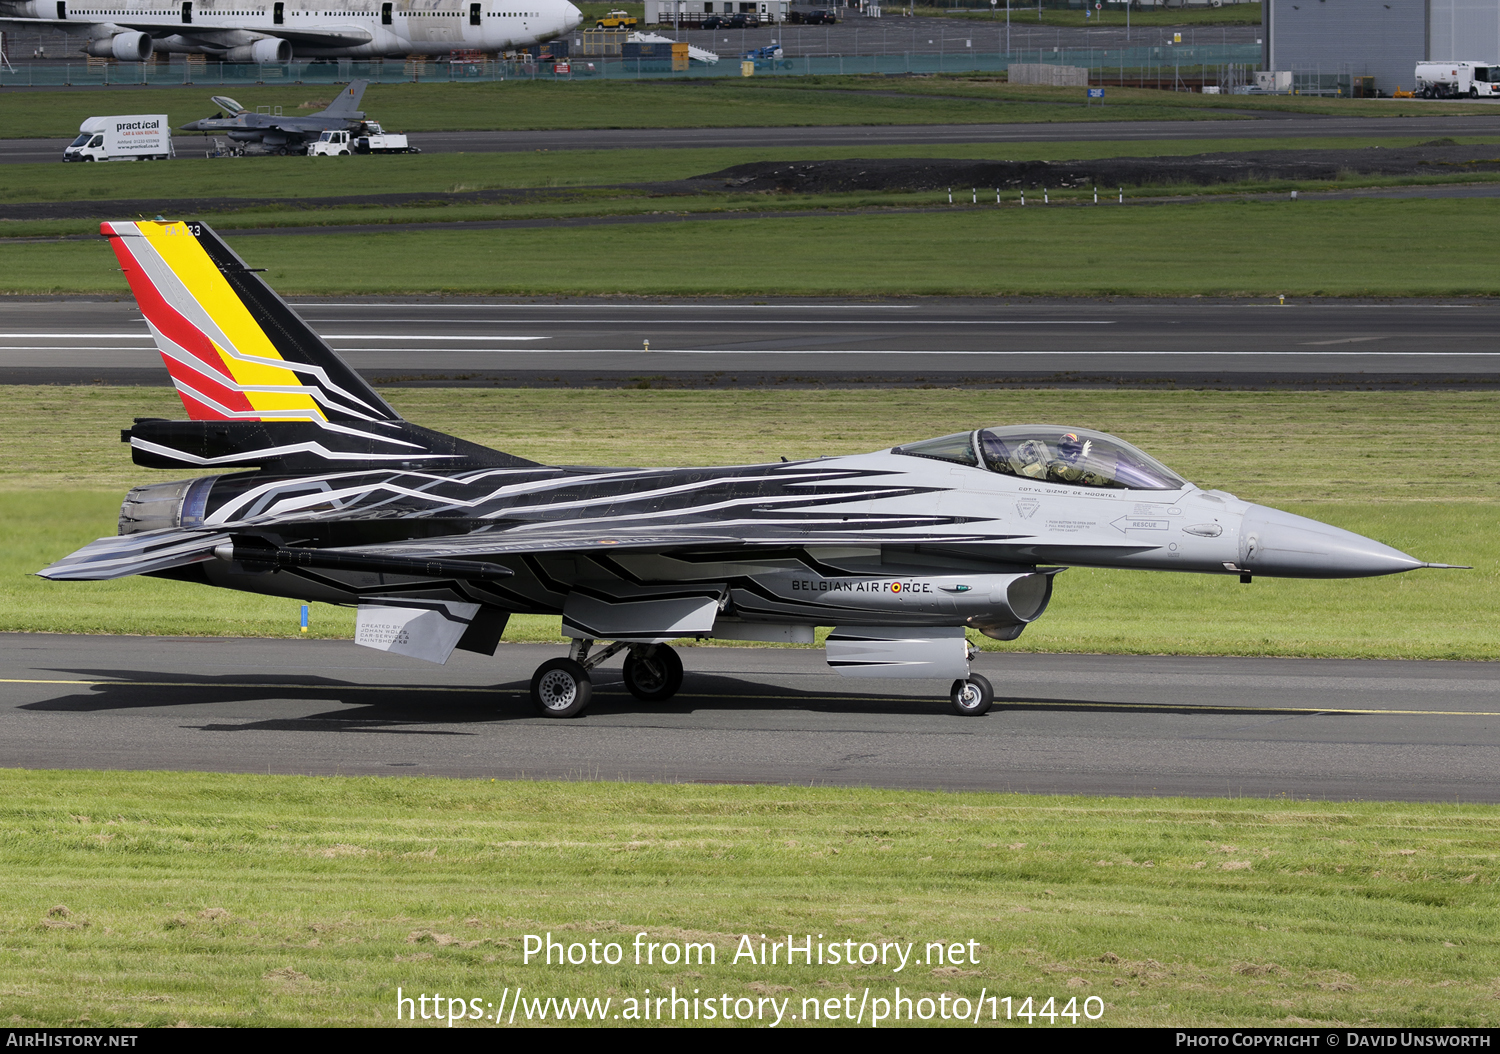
(266, 133)
(329, 495)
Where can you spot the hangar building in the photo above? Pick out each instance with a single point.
(1384, 39)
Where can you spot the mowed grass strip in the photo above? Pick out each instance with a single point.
(524, 105)
(1403, 248)
(147, 899)
(293, 178)
(1383, 464)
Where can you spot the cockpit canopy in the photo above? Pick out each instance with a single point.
(1052, 454)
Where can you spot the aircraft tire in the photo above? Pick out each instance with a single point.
(973, 696)
(561, 688)
(655, 677)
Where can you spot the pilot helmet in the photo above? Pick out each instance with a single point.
(1070, 447)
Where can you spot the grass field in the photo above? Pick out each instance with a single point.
(1409, 247)
(1399, 477)
(140, 899)
(549, 171)
(719, 102)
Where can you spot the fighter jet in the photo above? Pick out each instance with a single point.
(265, 133)
(325, 493)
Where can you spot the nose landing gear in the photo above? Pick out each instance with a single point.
(972, 696)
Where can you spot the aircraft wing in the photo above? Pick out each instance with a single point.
(340, 37)
(63, 22)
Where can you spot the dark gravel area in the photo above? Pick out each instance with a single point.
(1440, 157)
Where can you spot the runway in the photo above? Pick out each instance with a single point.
(599, 342)
(1082, 724)
(786, 141)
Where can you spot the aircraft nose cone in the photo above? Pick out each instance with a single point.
(573, 18)
(1282, 544)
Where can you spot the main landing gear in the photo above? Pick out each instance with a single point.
(563, 687)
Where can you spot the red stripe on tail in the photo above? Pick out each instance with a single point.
(214, 380)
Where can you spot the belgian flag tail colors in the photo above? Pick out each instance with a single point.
(236, 351)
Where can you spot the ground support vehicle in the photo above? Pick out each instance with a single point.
(331, 144)
(767, 58)
(372, 139)
(618, 20)
(131, 137)
(1452, 79)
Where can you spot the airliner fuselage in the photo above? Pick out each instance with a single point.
(279, 30)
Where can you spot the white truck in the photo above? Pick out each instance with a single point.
(1448, 80)
(370, 139)
(133, 137)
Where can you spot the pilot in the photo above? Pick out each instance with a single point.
(1071, 464)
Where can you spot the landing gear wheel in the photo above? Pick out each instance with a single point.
(973, 696)
(653, 674)
(561, 688)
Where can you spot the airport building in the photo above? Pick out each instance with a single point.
(1332, 42)
(692, 12)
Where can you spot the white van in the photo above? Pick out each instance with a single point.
(137, 137)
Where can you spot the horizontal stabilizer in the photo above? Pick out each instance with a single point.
(135, 554)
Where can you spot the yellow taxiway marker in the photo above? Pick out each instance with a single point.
(1040, 704)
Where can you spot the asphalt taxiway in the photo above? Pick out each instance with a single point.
(786, 142)
(602, 342)
(1069, 724)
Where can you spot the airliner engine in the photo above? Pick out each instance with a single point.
(127, 47)
(265, 50)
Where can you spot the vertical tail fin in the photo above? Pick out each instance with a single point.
(236, 350)
(347, 104)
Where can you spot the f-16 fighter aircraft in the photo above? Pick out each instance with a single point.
(265, 133)
(261, 31)
(327, 494)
